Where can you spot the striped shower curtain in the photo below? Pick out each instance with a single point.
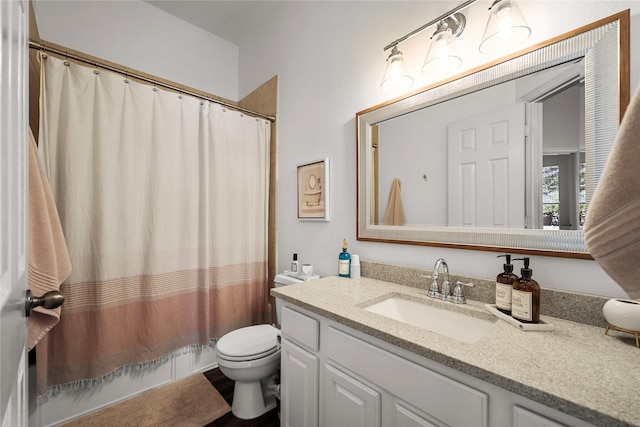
(163, 202)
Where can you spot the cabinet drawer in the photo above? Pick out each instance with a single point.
(441, 397)
(525, 418)
(300, 328)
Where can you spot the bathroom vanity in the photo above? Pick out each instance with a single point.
(345, 365)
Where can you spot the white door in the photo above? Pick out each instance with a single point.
(486, 169)
(13, 214)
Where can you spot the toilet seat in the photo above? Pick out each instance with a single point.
(248, 343)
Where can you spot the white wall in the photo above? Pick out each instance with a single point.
(330, 60)
(143, 37)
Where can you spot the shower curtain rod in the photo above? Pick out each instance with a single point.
(36, 45)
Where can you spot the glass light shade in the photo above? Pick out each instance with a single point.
(506, 28)
(396, 76)
(442, 56)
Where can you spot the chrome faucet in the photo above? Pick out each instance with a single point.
(446, 295)
(434, 292)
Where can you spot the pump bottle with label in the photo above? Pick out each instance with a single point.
(504, 286)
(525, 297)
(344, 261)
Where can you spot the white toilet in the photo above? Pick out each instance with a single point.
(251, 357)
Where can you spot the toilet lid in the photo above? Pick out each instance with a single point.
(251, 342)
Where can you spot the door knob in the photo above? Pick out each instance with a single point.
(50, 300)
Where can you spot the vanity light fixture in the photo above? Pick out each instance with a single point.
(396, 76)
(506, 28)
(442, 56)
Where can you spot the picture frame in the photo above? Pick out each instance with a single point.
(313, 190)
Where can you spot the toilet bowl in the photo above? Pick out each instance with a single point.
(250, 356)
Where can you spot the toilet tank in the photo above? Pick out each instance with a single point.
(283, 280)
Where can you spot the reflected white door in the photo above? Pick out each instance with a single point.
(486, 169)
(13, 196)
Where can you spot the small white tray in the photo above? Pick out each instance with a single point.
(302, 276)
(542, 326)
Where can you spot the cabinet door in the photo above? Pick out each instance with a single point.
(299, 386)
(349, 402)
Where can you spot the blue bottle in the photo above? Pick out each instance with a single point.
(344, 261)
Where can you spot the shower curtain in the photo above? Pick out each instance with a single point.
(163, 202)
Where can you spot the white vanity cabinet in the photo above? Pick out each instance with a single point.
(333, 375)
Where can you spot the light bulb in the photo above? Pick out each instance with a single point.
(505, 24)
(506, 28)
(442, 57)
(396, 76)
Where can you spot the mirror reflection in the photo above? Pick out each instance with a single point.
(462, 162)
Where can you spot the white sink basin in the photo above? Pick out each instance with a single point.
(453, 324)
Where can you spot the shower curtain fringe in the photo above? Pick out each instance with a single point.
(124, 370)
(128, 74)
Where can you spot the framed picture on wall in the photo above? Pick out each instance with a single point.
(313, 191)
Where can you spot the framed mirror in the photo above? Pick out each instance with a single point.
(505, 157)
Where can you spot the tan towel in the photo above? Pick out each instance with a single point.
(395, 212)
(612, 227)
(49, 263)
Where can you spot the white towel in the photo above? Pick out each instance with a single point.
(49, 263)
(612, 227)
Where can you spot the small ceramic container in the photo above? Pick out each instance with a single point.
(307, 269)
(622, 313)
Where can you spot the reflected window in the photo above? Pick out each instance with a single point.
(551, 197)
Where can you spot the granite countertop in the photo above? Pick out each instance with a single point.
(575, 369)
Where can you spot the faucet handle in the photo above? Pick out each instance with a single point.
(458, 296)
(467, 284)
(433, 290)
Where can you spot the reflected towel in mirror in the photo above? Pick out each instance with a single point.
(395, 212)
(612, 228)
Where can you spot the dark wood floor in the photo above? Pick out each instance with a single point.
(225, 386)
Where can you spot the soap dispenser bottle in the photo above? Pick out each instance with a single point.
(344, 261)
(295, 264)
(525, 296)
(504, 286)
